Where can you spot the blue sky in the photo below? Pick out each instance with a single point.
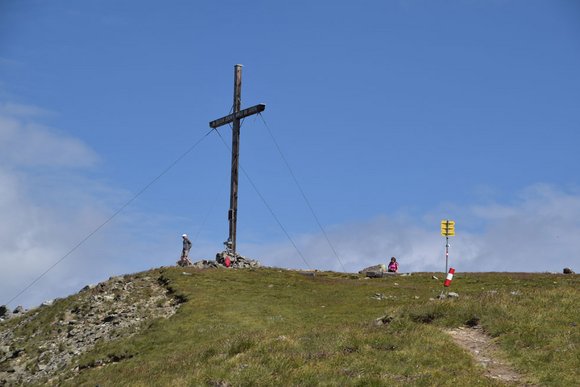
(393, 115)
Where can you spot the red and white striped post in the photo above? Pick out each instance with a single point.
(449, 278)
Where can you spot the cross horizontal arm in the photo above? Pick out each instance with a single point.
(241, 114)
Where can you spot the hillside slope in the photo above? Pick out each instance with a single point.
(46, 341)
(270, 326)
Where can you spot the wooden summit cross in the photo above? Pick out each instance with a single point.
(235, 118)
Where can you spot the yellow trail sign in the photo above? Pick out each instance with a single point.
(447, 227)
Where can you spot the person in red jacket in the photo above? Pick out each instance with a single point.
(393, 266)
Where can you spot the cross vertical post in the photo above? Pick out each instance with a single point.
(235, 118)
(233, 211)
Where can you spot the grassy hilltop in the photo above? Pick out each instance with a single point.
(279, 327)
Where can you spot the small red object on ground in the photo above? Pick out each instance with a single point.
(449, 277)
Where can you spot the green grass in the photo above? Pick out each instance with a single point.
(277, 327)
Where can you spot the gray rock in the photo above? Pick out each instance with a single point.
(17, 352)
(205, 264)
(443, 296)
(374, 274)
(19, 309)
(473, 321)
(384, 320)
(567, 270)
(5, 313)
(184, 262)
(374, 269)
(87, 287)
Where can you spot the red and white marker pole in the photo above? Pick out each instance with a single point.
(446, 252)
(449, 278)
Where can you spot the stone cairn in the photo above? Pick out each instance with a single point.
(223, 259)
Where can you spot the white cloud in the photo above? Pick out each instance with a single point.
(538, 232)
(23, 142)
(48, 207)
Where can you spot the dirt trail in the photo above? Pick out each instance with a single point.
(485, 352)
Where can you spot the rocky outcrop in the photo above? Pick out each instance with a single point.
(33, 351)
(6, 314)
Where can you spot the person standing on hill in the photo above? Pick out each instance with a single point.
(184, 260)
(393, 265)
(186, 247)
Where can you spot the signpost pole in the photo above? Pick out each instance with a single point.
(446, 253)
(447, 230)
